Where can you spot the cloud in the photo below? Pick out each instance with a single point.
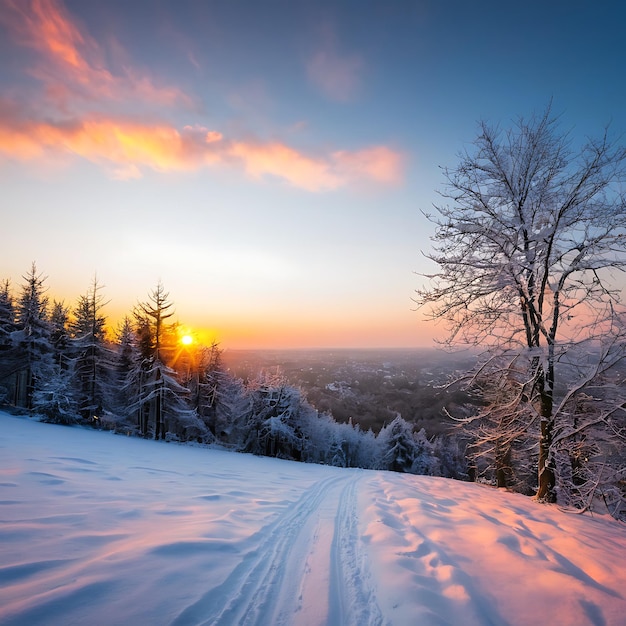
(126, 147)
(281, 161)
(71, 63)
(53, 124)
(337, 75)
(379, 164)
(45, 26)
(122, 144)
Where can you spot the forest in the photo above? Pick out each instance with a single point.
(147, 379)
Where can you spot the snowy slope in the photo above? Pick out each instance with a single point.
(101, 529)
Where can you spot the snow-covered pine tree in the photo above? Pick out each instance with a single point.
(92, 357)
(274, 427)
(32, 338)
(10, 357)
(161, 399)
(402, 450)
(59, 335)
(202, 374)
(55, 397)
(233, 411)
(125, 379)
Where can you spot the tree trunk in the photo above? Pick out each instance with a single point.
(547, 478)
(503, 464)
(158, 411)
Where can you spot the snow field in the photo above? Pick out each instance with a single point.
(104, 529)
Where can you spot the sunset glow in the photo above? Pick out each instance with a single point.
(300, 147)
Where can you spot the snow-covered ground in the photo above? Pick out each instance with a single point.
(101, 529)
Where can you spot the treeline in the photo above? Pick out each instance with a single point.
(58, 362)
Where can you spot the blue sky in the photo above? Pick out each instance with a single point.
(268, 161)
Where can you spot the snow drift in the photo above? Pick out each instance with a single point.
(103, 529)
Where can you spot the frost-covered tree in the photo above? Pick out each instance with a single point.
(55, 398)
(123, 369)
(92, 359)
(233, 410)
(402, 450)
(503, 434)
(7, 314)
(59, 334)
(527, 248)
(275, 427)
(10, 361)
(32, 337)
(161, 398)
(347, 445)
(589, 439)
(154, 332)
(201, 372)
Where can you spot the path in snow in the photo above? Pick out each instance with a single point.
(280, 577)
(101, 529)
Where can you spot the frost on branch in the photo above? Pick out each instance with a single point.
(529, 241)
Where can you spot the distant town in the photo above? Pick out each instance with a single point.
(369, 387)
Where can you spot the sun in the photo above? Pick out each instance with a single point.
(186, 340)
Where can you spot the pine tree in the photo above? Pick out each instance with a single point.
(33, 338)
(59, 335)
(160, 395)
(233, 410)
(91, 356)
(10, 361)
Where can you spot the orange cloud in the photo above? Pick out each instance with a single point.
(71, 62)
(72, 69)
(44, 26)
(124, 147)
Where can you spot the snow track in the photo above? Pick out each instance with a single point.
(269, 584)
(352, 595)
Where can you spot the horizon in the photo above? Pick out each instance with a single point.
(269, 163)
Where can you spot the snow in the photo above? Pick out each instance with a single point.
(97, 528)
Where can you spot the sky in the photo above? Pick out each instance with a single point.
(269, 162)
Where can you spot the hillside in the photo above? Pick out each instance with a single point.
(104, 529)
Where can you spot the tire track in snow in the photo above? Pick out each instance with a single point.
(259, 591)
(352, 599)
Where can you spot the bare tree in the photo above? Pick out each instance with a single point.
(527, 246)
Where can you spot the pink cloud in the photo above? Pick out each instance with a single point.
(337, 75)
(281, 161)
(44, 25)
(71, 67)
(71, 63)
(378, 163)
